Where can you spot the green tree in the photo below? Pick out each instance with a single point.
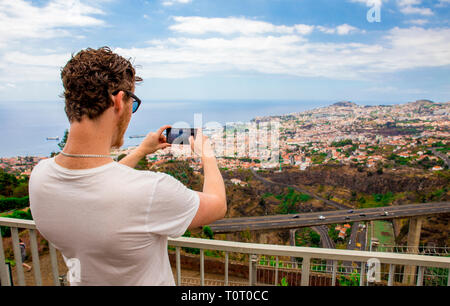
(63, 142)
(8, 183)
(21, 190)
(6, 231)
(14, 203)
(315, 238)
(207, 231)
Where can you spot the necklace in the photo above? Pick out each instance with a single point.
(87, 155)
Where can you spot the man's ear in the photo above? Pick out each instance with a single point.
(118, 102)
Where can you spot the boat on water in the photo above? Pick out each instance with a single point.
(137, 136)
(52, 138)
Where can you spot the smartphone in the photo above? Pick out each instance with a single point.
(180, 135)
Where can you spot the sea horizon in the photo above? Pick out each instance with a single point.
(26, 125)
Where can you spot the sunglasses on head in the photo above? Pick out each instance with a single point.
(136, 100)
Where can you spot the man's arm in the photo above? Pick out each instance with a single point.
(132, 159)
(152, 143)
(213, 202)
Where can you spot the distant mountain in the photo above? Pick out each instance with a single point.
(345, 104)
(422, 102)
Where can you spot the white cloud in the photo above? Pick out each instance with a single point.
(410, 7)
(443, 3)
(20, 19)
(172, 2)
(304, 29)
(370, 3)
(417, 21)
(25, 27)
(343, 29)
(232, 25)
(262, 48)
(293, 54)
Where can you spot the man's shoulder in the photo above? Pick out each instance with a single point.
(145, 174)
(41, 164)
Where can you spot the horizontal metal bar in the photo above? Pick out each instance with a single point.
(332, 254)
(282, 250)
(18, 223)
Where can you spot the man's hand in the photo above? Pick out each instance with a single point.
(201, 145)
(154, 142)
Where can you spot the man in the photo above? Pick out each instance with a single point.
(110, 219)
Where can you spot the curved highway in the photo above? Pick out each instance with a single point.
(328, 217)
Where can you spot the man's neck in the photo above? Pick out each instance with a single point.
(86, 137)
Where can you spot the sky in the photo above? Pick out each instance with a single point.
(360, 50)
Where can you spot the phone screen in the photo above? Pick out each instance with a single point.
(180, 135)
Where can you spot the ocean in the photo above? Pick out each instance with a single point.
(25, 126)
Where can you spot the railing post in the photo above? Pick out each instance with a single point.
(3, 269)
(363, 272)
(35, 255)
(17, 256)
(226, 268)
(253, 272)
(276, 271)
(54, 262)
(306, 266)
(391, 274)
(202, 267)
(333, 280)
(420, 276)
(448, 278)
(178, 264)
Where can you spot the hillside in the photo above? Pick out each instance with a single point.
(344, 184)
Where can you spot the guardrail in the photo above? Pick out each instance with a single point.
(307, 262)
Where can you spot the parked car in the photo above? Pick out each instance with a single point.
(362, 215)
(347, 218)
(296, 217)
(321, 217)
(350, 211)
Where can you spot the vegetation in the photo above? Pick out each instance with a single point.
(342, 143)
(63, 141)
(307, 237)
(352, 280)
(318, 158)
(207, 231)
(334, 234)
(18, 214)
(284, 282)
(11, 186)
(399, 160)
(290, 201)
(7, 204)
(376, 200)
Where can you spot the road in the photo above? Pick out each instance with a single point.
(329, 217)
(326, 242)
(357, 241)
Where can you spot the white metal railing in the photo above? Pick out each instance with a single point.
(311, 259)
(309, 256)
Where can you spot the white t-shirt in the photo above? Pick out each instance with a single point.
(112, 220)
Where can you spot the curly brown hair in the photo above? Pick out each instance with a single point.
(90, 77)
